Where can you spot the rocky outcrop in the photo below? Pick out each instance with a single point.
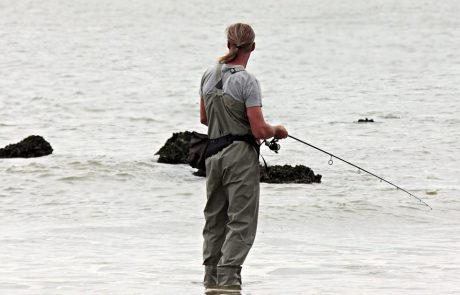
(175, 151)
(30, 147)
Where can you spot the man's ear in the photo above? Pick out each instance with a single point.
(253, 46)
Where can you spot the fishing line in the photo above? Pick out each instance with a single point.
(331, 161)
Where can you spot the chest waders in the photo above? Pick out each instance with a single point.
(232, 185)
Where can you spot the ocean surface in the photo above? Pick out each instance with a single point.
(108, 82)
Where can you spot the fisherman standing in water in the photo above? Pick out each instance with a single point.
(231, 107)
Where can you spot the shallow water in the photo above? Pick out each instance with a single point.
(107, 82)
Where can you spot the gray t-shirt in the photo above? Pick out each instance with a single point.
(241, 85)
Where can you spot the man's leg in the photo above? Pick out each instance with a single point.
(216, 218)
(242, 188)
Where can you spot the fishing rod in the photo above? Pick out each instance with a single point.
(274, 146)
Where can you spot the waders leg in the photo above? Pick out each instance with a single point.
(242, 188)
(216, 218)
(210, 276)
(229, 277)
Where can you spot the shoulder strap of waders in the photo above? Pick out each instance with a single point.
(236, 70)
(219, 80)
(219, 84)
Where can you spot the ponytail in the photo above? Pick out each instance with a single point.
(231, 55)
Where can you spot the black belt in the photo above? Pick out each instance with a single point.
(218, 144)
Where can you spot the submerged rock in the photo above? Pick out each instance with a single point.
(366, 120)
(30, 147)
(175, 151)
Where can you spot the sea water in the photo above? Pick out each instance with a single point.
(107, 82)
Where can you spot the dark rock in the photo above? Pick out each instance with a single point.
(200, 172)
(288, 174)
(282, 174)
(366, 120)
(175, 150)
(30, 147)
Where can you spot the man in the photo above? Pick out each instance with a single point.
(231, 107)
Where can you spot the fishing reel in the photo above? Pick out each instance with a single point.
(273, 145)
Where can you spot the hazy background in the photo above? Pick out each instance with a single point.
(107, 82)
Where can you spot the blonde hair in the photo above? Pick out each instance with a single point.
(241, 37)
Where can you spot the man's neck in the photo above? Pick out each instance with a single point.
(241, 59)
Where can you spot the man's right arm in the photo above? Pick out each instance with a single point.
(261, 129)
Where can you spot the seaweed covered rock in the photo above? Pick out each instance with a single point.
(282, 174)
(175, 150)
(30, 147)
(289, 174)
